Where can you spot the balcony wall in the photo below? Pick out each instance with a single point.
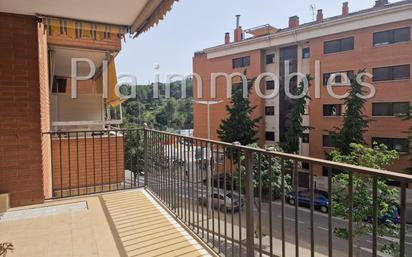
(87, 162)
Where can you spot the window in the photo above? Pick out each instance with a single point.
(391, 73)
(269, 110)
(306, 53)
(270, 136)
(339, 79)
(305, 165)
(340, 45)
(241, 62)
(270, 85)
(59, 85)
(399, 144)
(305, 138)
(391, 36)
(390, 109)
(327, 141)
(332, 110)
(270, 58)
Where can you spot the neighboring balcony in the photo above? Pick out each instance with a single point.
(134, 192)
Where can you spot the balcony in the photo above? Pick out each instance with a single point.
(174, 195)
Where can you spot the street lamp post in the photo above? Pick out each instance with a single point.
(208, 103)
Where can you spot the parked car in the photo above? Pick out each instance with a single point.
(321, 200)
(218, 181)
(223, 202)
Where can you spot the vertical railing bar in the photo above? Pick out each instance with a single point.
(260, 203)
(250, 244)
(270, 206)
(240, 193)
(350, 203)
(145, 155)
(375, 217)
(85, 161)
(110, 156)
(94, 164)
(101, 161)
(330, 229)
(181, 205)
(69, 163)
(212, 166)
(402, 231)
(232, 204)
(208, 194)
(197, 188)
(225, 193)
(296, 189)
(60, 166)
(78, 163)
(312, 207)
(218, 190)
(282, 177)
(193, 181)
(175, 177)
(187, 176)
(51, 164)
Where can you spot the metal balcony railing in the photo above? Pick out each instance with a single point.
(238, 200)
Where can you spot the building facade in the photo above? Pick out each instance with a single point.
(376, 39)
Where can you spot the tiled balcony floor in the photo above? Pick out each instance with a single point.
(128, 223)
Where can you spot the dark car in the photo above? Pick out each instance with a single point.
(321, 199)
(218, 181)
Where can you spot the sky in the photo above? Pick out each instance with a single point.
(193, 25)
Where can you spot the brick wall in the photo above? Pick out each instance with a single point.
(88, 161)
(20, 126)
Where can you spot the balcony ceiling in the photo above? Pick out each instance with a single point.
(138, 14)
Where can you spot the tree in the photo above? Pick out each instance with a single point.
(295, 128)
(408, 117)
(378, 157)
(267, 172)
(355, 122)
(239, 126)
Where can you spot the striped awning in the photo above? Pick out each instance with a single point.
(83, 29)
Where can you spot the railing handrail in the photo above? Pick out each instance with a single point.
(402, 177)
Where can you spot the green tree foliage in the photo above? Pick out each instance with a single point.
(295, 128)
(409, 132)
(239, 126)
(378, 157)
(355, 122)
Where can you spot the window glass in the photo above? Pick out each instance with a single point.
(399, 144)
(269, 110)
(381, 74)
(402, 35)
(305, 138)
(332, 110)
(332, 47)
(270, 136)
(382, 109)
(59, 85)
(400, 109)
(306, 53)
(347, 44)
(241, 62)
(391, 36)
(401, 72)
(270, 85)
(270, 58)
(327, 141)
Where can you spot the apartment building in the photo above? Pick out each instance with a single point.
(39, 41)
(376, 39)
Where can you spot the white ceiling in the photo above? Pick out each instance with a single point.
(120, 12)
(63, 60)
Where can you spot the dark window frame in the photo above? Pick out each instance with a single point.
(392, 142)
(272, 136)
(339, 44)
(271, 112)
(327, 141)
(391, 107)
(338, 79)
(306, 53)
(270, 84)
(59, 85)
(391, 37)
(305, 138)
(338, 111)
(241, 62)
(391, 73)
(270, 58)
